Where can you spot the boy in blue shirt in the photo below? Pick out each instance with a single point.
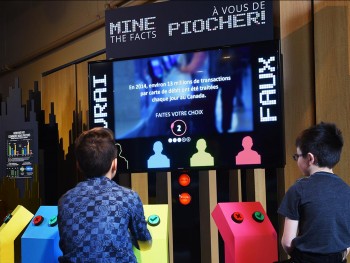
(98, 219)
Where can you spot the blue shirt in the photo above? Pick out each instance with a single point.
(321, 204)
(97, 221)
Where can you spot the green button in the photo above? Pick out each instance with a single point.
(53, 221)
(258, 216)
(153, 220)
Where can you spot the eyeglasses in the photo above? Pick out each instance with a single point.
(296, 156)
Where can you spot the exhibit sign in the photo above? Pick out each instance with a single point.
(185, 25)
(19, 154)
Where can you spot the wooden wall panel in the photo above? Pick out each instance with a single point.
(260, 189)
(298, 76)
(55, 23)
(208, 229)
(139, 183)
(59, 88)
(332, 31)
(332, 71)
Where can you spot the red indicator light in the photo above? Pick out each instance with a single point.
(184, 180)
(185, 198)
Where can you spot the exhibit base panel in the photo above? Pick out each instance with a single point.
(13, 225)
(157, 220)
(247, 232)
(40, 241)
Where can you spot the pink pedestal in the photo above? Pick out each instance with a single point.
(249, 238)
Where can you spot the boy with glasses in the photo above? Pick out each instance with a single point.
(317, 207)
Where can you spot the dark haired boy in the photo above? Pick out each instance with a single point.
(98, 219)
(317, 207)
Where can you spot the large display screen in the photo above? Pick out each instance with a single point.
(206, 109)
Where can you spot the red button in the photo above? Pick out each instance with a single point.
(237, 217)
(38, 220)
(185, 198)
(184, 180)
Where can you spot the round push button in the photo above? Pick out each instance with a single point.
(38, 220)
(53, 221)
(153, 220)
(184, 180)
(7, 218)
(185, 198)
(258, 216)
(237, 217)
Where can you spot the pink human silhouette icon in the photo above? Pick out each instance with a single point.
(248, 156)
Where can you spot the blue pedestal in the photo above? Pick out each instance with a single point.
(40, 240)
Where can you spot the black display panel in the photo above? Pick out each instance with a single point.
(174, 26)
(20, 156)
(208, 109)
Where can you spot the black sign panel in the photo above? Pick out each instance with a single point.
(20, 156)
(186, 25)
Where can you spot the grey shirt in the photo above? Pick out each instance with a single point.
(321, 204)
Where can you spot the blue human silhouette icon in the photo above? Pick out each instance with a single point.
(248, 156)
(201, 158)
(158, 160)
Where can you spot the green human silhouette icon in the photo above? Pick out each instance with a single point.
(201, 158)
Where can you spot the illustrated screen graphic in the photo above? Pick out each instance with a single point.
(194, 93)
